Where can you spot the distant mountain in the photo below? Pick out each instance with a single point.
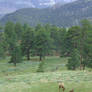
(8, 6)
(66, 15)
(1, 16)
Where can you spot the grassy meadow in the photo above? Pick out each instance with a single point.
(24, 77)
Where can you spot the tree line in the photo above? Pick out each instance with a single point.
(18, 40)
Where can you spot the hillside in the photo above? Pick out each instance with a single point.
(9, 6)
(66, 15)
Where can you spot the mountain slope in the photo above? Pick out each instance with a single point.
(66, 15)
(8, 6)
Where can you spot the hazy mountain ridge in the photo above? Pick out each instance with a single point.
(8, 6)
(66, 15)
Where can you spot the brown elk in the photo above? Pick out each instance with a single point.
(61, 86)
(71, 90)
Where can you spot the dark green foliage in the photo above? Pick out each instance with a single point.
(88, 44)
(16, 55)
(66, 47)
(55, 36)
(85, 46)
(10, 36)
(70, 40)
(2, 45)
(18, 30)
(89, 63)
(1, 51)
(74, 42)
(74, 61)
(13, 44)
(27, 42)
(81, 38)
(43, 42)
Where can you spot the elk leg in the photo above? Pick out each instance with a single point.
(59, 89)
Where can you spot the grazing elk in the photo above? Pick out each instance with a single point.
(71, 90)
(61, 86)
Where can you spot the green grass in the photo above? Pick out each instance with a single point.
(24, 77)
(55, 63)
(31, 66)
(47, 82)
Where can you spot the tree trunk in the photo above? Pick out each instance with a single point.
(40, 57)
(81, 62)
(84, 67)
(28, 55)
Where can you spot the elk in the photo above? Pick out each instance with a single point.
(71, 90)
(61, 86)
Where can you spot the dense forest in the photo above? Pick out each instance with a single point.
(17, 41)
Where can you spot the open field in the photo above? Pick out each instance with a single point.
(51, 63)
(24, 78)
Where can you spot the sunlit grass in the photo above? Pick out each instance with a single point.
(24, 77)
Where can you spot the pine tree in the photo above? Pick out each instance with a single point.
(18, 31)
(43, 43)
(27, 42)
(12, 43)
(74, 60)
(16, 55)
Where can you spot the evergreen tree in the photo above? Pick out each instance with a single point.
(83, 46)
(72, 39)
(18, 31)
(27, 42)
(10, 36)
(38, 27)
(88, 48)
(81, 38)
(63, 42)
(2, 45)
(12, 43)
(74, 61)
(16, 55)
(43, 42)
(55, 36)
